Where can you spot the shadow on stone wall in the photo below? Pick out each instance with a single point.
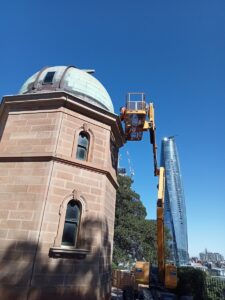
(28, 273)
(4, 118)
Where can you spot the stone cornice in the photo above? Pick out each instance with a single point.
(50, 156)
(55, 100)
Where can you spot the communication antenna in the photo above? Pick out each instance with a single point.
(118, 163)
(121, 171)
(131, 169)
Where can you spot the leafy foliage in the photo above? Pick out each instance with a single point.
(198, 284)
(134, 236)
(215, 288)
(191, 282)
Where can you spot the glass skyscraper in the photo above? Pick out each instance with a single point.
(175, 211)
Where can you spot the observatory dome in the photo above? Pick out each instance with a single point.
(72, 80)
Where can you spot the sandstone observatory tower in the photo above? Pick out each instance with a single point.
(59, 141)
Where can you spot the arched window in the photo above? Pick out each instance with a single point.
(71, 224)
(83, 145)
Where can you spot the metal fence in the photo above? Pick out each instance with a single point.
(136, 105)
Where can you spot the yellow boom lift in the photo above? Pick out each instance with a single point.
(138, 117)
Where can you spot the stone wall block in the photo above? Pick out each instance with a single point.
(4, 214)
(18, 235)
(21, 215)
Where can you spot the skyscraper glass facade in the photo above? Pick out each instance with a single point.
(175, 210)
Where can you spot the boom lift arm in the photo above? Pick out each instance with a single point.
(160, 225)
(139, 117)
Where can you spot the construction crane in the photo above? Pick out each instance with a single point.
(138, 117)
(121, 170)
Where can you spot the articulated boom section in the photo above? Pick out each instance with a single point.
(139, 117)
(134, 116)
(160, 225)
(167, 272)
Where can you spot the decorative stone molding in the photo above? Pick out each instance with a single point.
(54, 101)
(85, 127)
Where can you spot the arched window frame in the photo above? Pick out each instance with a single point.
(86, 129)
(77, 197)
(74, 222)
(85, 149)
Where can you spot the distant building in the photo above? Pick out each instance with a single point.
(175, 211)
(211, 257)
(194, 259)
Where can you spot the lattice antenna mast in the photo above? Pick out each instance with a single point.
(118, 163)
(131, 169)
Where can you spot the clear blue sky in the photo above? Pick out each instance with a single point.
(172, 50)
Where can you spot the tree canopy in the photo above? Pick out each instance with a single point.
(134, 236)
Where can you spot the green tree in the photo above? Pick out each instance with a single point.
(191, 282)
(134, 236)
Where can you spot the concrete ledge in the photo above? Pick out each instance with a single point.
(60, 252)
